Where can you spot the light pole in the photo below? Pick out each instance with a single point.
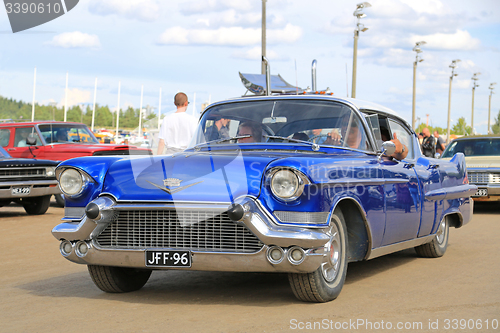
(452, 66)
(474, 86)
(263, 68)
(359, 27)
(491, 87)
(417, 60)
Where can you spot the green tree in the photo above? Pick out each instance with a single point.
(461, 127)
(496, 126)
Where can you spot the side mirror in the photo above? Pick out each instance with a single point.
(437, 155)
(31, 140)
(388, 148)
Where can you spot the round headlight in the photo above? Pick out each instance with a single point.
(285, 184)
(50, 171)
(71, 182)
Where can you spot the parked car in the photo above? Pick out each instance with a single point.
(58, 141)
(273, 196)
(28, 182)
(482, 155)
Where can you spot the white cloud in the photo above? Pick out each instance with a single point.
(75, 39)
(425, 6)
(255, 53)
(460, 40)
(228, 36)
(76, 96)
(142, 10)
(204, 6)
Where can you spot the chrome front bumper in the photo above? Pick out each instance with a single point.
(493, 192)
(38, 188)
(256, 219)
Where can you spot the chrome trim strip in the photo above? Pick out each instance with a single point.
(30, 182)
(381, 251)
(448, 193)
(369, 182)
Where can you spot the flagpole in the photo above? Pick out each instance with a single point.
(93, 109)
(33, 106)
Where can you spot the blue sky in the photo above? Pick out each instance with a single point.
(199, 46)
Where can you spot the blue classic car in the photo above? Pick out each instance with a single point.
(302, 184)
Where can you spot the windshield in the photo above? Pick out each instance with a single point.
(63, 133)
(474, 147)
(321, 122)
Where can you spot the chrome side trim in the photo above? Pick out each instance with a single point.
(448, 193)
(369, 182)
(381, 251)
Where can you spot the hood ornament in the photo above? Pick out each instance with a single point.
(172, 182)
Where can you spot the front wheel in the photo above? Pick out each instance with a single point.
(325, 283)
(439, 244)
(59, 199)
(118, 279)
(36, 206)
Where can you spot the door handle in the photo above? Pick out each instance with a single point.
(409, 165)
(11, 149)
(433, 166)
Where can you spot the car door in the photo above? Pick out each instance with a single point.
(402, 193)
(20, 147)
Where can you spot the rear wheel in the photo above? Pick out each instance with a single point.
(36, 206)
(118, 279)
(437, 247)
(326, 282)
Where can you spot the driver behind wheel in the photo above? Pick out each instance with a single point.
(250, 128)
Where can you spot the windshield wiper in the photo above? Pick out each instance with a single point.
(314, 146)
(198, 146)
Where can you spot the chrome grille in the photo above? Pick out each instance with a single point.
(21, 172)
(483, 178)
(198, 230)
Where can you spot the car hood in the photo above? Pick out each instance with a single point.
(479, 162)
(90, 147)
(24, 162)
(198, 176)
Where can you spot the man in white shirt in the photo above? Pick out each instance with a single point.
(177, 128)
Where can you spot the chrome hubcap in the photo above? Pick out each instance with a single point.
(331, 265)
(440, 234)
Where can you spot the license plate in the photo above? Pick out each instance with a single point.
(168, 258)
(21, 190)
(481, 192)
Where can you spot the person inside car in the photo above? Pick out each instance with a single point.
(250, 128)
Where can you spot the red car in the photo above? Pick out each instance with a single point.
(58, 141)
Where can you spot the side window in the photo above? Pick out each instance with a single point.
(22, 134)
(403, 136)
(4, 137)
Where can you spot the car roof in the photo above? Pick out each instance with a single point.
(40, 122)
(475, 137)
(359, 104)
